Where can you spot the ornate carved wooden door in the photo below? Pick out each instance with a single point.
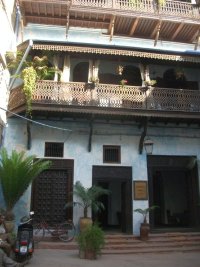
(51, 191)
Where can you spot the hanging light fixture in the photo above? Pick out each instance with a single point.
(148, 146)
(120, 69)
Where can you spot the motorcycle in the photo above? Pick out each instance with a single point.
(24, 245)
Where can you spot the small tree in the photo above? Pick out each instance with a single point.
(145, 212)
(17, 171)
(88, 197)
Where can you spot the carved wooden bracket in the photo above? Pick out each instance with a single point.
(90, 137)
(142, 137)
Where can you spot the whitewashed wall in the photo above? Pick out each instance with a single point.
(168, 141)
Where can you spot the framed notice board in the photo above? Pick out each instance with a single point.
(140, 190)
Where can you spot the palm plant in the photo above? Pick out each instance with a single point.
(145, 212)
(88, 197)
(17, 171)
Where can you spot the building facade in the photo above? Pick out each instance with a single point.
(128, 74)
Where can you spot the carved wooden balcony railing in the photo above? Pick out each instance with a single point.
(174, 8)
(108, 96)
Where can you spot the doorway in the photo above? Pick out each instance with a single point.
(117, 215)
(173, 187)
(51, 190)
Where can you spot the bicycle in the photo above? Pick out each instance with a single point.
(65, 231)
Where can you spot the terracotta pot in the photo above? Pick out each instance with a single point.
(144, 231)
(90, 254)
(84, 222)
(81, 254)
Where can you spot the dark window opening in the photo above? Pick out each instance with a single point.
(54, 149)
(111, 154)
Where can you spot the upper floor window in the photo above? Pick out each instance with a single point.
(111, 154)
(53, 149)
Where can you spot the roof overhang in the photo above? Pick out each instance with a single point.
(187, 56)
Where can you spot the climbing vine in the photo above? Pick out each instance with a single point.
(29, 75)
(36, 68)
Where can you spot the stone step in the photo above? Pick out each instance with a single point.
(151, 250)
(129, 244)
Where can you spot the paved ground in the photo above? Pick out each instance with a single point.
(63, 258)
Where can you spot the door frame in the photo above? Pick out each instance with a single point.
(124, 175)
(193, 186)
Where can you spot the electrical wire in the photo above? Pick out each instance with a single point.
(36, 122)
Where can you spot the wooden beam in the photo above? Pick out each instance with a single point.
(28, 128)
(38, 9)
(180, 26)
(143, 135)
(158, 27)
(45, 8)
(194, 36)
(153, 34)
(133, 27)
(52, 10)
(111, 27)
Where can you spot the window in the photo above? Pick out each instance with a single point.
(54, 149)
(111, 154)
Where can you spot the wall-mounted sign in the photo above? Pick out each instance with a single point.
(140, 190)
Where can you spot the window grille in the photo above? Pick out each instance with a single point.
(111, 154)
(54, 149)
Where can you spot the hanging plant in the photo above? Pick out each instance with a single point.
(29, 75)
(36, 68)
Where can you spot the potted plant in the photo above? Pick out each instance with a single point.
(92, 82)
(17, 171)
(91, 240)
(149, 83)
(123, 82)
(144, 227)
(87, 198)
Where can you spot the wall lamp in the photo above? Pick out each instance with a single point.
(148, 146)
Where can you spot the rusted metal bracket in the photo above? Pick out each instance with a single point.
(90, 137)
(28, 128)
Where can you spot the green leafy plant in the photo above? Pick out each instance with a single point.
(160, 3)
(123, 82)
(92, 238)
(88, 197)
(150, 82)
(29, 76)
(94, 80)
(145, 212)
(17, 171)
(33, 69)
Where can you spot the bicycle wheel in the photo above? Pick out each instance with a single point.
(66, 231)
(38, 232)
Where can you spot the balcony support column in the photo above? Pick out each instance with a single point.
(198, 41)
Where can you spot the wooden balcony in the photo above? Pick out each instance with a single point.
(64, 99)
(174, 21)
